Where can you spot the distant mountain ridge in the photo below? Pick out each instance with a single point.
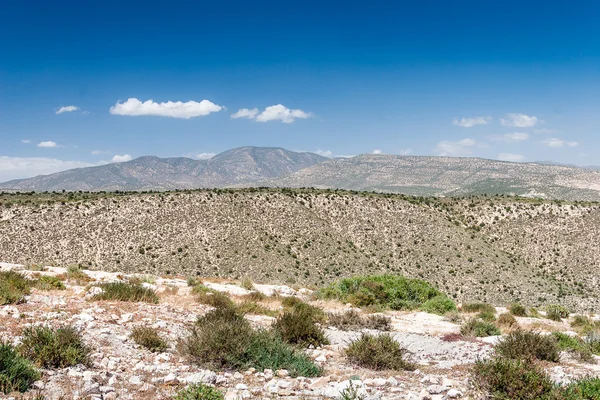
(277, 167)
(233, 167)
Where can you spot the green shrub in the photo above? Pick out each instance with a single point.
(507, 320)
(439, 305)
(250, 307)
(507, 379)
(487, 316)
(583, 389)
(518, 310)
(378, 352)
(299, 326)
(295, 304)
(149, 338)
(454, 317)
(575, 345)
(224, 339)
(13, 287)
(16, 373)
(268, 351)
(247, 284)
(352, 320)
(478, 328)
(254, 296)
(387, 291)
(215, 299)
(477, 307)
(47, 282)
(351, 393)
(592, 340)
(125, 291)
(528, 345)
(54, 347)
(199, 392)
(556, 312)
(581, 321)
(76, 274)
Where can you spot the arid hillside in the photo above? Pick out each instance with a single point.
(496, 249)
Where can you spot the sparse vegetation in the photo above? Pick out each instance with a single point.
(149, 338)
(54, 347)
(556, 312)
(47, 282)
(528, 345)
(518, 310)
(507, 320)
(439, 305)
(477, 307)
(478, 328)
(352, 320)
(125, 291)
(199, 392)
(299, 326)
(378, 352)
(13, 287)
(17, 374)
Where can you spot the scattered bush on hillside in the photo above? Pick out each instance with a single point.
(528, 345)
(506, 320)
(439, 305)
(592, 339)
(378, 352)
(352, 320)
(254, 296)
(575, 345)
(17, 374)
(224, 339)
(583, 324)
(504, 378)
(477, 307)
(47, 282)
(518, 310)
(54, 347)
(478, 328)
(299, 326)
(454, 317)
(314, 313)
(76, 274)
(214, 299)
(125, 291)
(149, 338)
(487, 316)
(247, 284)
(199, 392)
(584, 389)
(387, 291)
(13, 287)
(251, 307)
(556, 312)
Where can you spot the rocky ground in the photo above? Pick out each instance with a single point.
(123, 370)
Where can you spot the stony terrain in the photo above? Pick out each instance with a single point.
(123, 370)
(499, 248)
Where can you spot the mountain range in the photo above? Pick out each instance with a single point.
(277, 167)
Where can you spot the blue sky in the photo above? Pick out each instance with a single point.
(513, 80)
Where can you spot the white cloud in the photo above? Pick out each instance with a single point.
(511, 157)
(117, 158)
(405, 152)
(555, 143)
(519, 120)
(458, 148)
(471, 122)
(173, 109)
(26, 141)
(66, 109)
(47, 144)
(245, 113)
(281, 113)
(324, 153)
(23, 167)
(377, 151)
(204, 156)
(515, 137)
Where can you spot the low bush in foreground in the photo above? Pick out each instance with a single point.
(439, 305)
(125, 291)
(352, 320)
(149, 338)
(575, 345)
(13, 287)
(16, 373)
(477, 307)
(199, 392)
(583, 389)
(528, 345)
(386, 291)
(518, 310)
(378, 352)
(556, 312)
(299, 326)
(54, 347)
(47, 282)
(478, 328)
(224, 339)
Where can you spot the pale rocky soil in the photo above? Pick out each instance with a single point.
(123, 370)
